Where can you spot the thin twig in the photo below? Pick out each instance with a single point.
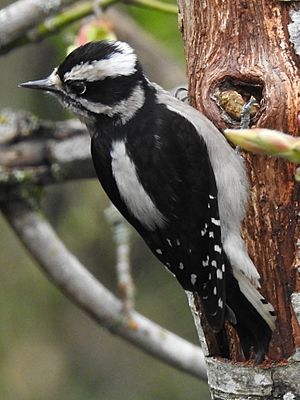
(83, 9)
(14, 33)
(67, 17)
(154, 5)
(87, 293)
(121, 237)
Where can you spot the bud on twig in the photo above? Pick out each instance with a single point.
(266, 141)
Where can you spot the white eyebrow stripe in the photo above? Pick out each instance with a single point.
(118, 64)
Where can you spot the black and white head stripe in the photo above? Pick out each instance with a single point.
(124, 109)
(103, 78)
(92, 62)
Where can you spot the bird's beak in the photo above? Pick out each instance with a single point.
(50, 84)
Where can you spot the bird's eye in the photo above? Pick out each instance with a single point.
(76, 87)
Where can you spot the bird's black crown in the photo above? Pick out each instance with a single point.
(89, 52)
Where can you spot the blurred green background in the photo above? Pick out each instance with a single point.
(49, 349)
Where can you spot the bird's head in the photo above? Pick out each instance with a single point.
(98, 78)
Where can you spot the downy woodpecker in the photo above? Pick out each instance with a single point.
(174, 177)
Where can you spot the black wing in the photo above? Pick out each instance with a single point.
(173, 164)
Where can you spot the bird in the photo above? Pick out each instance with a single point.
(173, 176)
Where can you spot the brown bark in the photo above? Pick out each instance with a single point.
(244, 47)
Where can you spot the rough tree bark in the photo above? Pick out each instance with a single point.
(234, 50)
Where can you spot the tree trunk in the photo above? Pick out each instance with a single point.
(235, 50)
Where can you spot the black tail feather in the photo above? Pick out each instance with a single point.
(222, 341)
(253, 331)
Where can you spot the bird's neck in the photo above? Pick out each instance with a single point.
(121, 117)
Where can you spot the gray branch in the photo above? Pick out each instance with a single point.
(86, 292)
(240, 382)
(19, 17)
(42, 152)
(121, 237)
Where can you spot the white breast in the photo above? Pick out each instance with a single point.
(131, 190)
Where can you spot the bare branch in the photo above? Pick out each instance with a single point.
(42, 152)
(86, 292)
(121, 237)
(21, 125)
(85, 8)
(19, 17)
(46, 162)
(26, 20)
